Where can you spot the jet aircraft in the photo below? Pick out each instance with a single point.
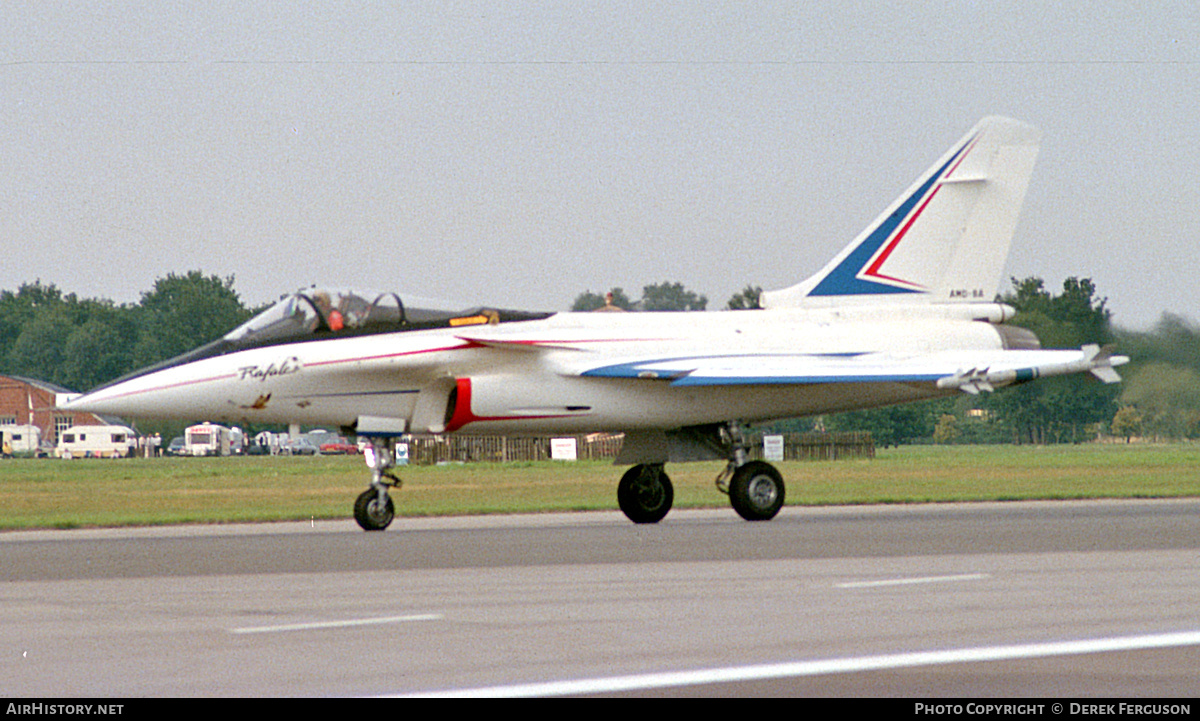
(907, 311)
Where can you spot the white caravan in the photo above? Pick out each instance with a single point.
(206, 439)
(21, 439)
(96, 442)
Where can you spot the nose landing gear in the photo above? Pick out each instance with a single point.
(373, 509)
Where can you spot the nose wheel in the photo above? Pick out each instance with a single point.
(372, 513)
(374, 509)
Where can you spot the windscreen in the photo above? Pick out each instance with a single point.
(321, 311)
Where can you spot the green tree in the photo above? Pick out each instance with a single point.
(17, 310)
(588, 301)
(671, 296)
(61, 339)
(1073, 318)
(1079, 308)
(1174, 340)
(1127, 423)
(1167, 397)
(100, 349)
(1161, 380)
(891, 425)
(946, 430)
(57, 337)
(183, 312)
(40, 348)
(1177, 341)
(746, 299)
(1059, 409)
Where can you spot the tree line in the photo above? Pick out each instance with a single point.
(81, 343)
(665, 296)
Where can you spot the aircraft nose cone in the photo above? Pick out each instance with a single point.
(165, 394)
(100, 402)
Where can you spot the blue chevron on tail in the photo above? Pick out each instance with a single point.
(945, 239)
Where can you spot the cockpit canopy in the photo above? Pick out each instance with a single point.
(314, 313)
(301, 314)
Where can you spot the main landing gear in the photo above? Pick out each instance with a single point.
(374, 509)
(755, 488)
(645, 493)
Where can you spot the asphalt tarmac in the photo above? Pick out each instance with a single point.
(1050, 599)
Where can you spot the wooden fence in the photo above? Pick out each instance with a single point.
(430, 450)
(820, 446)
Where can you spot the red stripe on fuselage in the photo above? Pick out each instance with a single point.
(463, 414)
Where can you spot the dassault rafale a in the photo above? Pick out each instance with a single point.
(906, 312)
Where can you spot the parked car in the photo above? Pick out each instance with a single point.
(338, 448)
(175, 447)
(301, 447)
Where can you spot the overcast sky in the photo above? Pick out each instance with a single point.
(518, 154)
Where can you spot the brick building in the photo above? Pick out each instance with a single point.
(25, 401)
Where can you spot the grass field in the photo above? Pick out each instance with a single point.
(81, 493)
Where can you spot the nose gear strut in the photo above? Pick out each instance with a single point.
(374, 509)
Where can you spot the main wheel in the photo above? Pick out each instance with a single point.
(370, 514)
(756, 491)
(645, 493)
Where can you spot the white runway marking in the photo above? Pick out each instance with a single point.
(914, 581)
(336, 624)
(734, 674)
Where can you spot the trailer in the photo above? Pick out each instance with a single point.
(206, 439)
(20, 439)
(96, 442)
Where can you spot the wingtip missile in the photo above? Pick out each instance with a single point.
(1102, 362)
(1098, 361)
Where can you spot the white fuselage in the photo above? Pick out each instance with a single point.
(523, 377)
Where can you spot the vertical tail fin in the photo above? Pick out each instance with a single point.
(946, 239)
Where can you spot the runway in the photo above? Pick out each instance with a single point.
(1048, 599)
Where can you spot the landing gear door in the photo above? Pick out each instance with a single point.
(380, 426)
(429, 415)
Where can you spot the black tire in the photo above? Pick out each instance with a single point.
(756, 491)
(369, 515)
(645, 494)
